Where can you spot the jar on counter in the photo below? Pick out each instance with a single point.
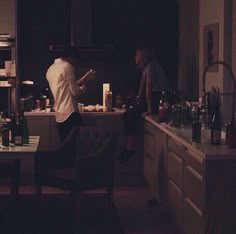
(108, 101)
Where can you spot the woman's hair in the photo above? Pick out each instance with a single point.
(148, 54)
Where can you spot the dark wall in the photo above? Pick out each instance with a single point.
(40, 23)
(123, 24)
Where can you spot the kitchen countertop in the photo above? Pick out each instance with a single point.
(31, 147)
(100, 113)
(206, 151)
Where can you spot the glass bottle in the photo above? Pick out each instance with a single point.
(163, 108)
(216, 118)
(18, 131)
(216, 128)
(12, 128)
(230, 133)
(5, 135)
(42, 100)
(196, 125)
(25, 130)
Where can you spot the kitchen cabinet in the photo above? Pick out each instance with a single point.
(175, 203)
(193, 220)
(7, 17)
(41, 126)
(155, 161)
(185, 175)
(161, 172)
(7, 53)
(55, 140)
(8, 75)
(200, 179)
(175, 177)
(39, 25)
(149, 158)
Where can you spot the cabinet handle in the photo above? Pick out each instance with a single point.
(184, 148)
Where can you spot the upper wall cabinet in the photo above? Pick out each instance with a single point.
(40, 24)
(7, 17)
(92, 22)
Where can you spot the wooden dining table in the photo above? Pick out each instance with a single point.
(25, 153)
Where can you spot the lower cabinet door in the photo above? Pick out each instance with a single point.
(55, 139)
(193, 219)
(40, 126)
(175, 198)
(149, 170)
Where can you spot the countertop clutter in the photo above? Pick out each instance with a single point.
(190, 179)
(204, 150)
(90, 109)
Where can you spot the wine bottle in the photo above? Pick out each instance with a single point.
(18, 131)
(25, 130)
(216, 128)
(230, 133)
(163, 108)
(12, 128)
(5, 135)
(196, 125)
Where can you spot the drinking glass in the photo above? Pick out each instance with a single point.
(118, 101)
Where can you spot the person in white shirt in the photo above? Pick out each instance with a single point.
(66, 90)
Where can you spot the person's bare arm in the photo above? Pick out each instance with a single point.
(90, 75)
(141, 87)
(149, 95)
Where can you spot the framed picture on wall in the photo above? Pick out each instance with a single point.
(211, 46)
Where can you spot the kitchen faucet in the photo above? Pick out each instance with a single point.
(233, 83)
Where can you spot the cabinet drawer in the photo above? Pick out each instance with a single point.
(175, 203)
(149, 128)
(40, 126)
(193, 220)
(176, 147)
(149, 145)
(175, 168)
(194, 186)
(55, 139)
(148, 170)
(194, 161)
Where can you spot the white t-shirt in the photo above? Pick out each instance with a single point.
(62, 82)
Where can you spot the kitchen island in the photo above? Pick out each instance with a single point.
(195, 182)
(43, 124)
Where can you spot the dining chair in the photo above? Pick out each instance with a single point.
(83, 162)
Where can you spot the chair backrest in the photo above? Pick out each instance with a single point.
(95, 157)
(90, 139)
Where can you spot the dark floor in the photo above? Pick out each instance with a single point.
(53, 214)
(132, 196)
